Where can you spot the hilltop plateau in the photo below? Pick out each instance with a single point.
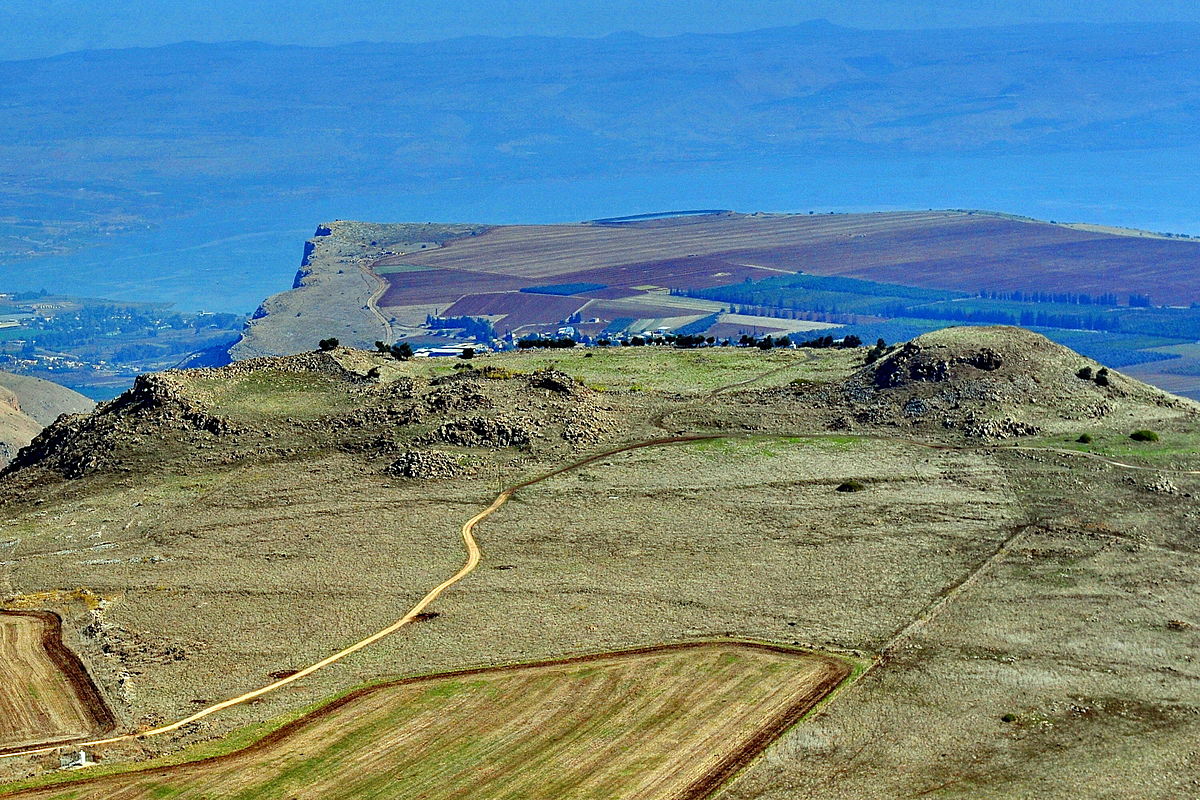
(968, 577)
(722, 274)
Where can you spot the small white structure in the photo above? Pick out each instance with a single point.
(77, 760)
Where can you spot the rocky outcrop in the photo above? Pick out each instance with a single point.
(425, 464)
(991, 383)
(482, 432)
(912, 362)
(76, 445)
(554, 381)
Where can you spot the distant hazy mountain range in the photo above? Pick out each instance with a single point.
(1096, 121)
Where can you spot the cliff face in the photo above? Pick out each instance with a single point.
(334, 291)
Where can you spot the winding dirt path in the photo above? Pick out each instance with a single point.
(381, 287)
(473, 557)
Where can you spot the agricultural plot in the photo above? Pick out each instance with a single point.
(668, 723)
(45, 694)
(944, 250)
(890, 275)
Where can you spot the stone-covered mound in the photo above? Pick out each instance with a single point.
(999, 382)
(347, 401)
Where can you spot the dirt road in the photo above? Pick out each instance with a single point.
(472, 561)
(373, 302)
(473, 557)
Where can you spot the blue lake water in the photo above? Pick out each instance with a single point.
(228, 258)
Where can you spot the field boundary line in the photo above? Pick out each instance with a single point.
(849, 667)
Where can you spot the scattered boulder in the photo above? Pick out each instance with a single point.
(482, 432)
(459, 396)
(1161, 485)
(425, 464)
(914, 362)
(554, 381)
(1005, 428)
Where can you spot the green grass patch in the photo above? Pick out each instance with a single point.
(1171, 448)
(667, 369)
(270, 394)
(397, 269)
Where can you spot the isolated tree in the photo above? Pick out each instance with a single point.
(328, 344)
(1085, 373)
(467, 352)
(402, 351)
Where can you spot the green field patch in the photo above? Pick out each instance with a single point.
(1171, 449)
(271, 394)
(397, 269)
(536, 731)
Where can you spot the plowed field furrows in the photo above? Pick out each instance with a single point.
(45, 694)
(950, 250)
(520, 308)
(667, 723)
(546, 250)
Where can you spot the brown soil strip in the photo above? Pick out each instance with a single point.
(72, 670)
(837, 671)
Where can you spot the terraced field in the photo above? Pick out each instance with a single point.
(667, 723)
(45, 693)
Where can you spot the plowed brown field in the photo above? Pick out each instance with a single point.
(670, 723)
(948, 250)
(45, 693)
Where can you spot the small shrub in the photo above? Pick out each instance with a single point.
(851, 486)
(1085, 373)
(1084, 438)
(1009, 717)
(467, 352)
(1102, 377)
(1144, 436)
(328, 344)
(496, 373)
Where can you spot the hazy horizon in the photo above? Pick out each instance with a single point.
(40, 29)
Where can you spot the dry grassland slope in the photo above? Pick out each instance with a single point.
(1027, 599)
